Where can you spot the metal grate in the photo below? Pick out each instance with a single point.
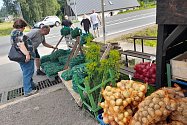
(41, 85)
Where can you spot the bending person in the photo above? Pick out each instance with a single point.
(37, 37)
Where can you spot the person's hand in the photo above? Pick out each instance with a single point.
(28, 57)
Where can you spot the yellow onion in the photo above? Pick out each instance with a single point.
(125, 103)
(102, 104)
(120, 116)
(105, 119)
(116, 108)
(112, 102)
(126, 114)
(142, 88)
(119, 102)
(108, 88)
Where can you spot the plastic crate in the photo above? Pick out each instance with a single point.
(100, 119)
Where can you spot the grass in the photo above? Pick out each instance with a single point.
(6, 28)
(148, 31)
(148, 6)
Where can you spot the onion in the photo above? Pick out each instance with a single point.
(126, 114)
(128, 100)
(125, 103)
(142, 88)
(119, 102)
(116, 108)
(119, 84)
(144, 120)
(117, 95)
(109, 93)
(126, 94)
(112, 102)
(158, 112)
(108, 88)
(120, 116)
(102, 104)
(112, 97)
(121, 108)
(105, 119)
(110, 118)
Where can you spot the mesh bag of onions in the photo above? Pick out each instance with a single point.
(121, 101)
(156, 108)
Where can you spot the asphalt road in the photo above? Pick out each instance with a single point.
(10, 74)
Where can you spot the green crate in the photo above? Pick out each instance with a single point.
(87, 95)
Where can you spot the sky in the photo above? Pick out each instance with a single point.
(1, 3)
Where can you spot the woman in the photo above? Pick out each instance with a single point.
(27, 67)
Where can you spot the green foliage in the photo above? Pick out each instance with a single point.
(5, 28)
(92, 52)
(86, 38)
(10, 6)
(143, 5)
(34, 10)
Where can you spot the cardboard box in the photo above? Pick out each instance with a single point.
(179, 67)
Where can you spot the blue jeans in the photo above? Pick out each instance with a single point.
(28, 71)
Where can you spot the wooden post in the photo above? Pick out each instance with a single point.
(58, 43)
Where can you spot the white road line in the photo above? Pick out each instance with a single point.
(130, 17)
(131, 20)
(130, 29)
(53, 37)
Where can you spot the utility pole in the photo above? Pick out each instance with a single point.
(103, 20)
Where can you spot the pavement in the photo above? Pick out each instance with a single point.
(51, 106)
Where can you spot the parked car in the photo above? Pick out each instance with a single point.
(49, 20)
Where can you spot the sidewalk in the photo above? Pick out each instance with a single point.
(52, 106)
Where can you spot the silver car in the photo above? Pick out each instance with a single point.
(49, 20)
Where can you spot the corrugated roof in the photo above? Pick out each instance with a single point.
(86, 6)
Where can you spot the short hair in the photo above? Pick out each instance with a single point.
(19, 23)
(45, 27)
(66, 16)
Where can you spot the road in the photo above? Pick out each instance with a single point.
(10, 74)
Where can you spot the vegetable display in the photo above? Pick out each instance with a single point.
(121, 101)
(145, 72)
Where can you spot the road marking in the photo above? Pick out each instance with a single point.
(53, 36)
(130, 29)
(129, 17)
(130, 20)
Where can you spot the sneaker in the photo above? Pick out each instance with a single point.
(31, 93)
(39, 72)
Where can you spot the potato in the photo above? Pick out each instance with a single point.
(158, 112)
(156, 106)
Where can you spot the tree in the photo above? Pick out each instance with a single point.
(3, 12)
(10, 6)
(34, 10)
